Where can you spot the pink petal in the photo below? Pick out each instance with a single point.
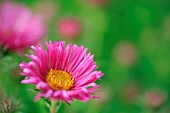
(39, 95)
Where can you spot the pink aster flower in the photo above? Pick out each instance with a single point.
(69, 28)
(62, 72)
(18, 27)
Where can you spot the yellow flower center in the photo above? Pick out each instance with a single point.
(59, 80)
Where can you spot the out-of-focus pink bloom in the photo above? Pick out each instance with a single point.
(16, 73)
(125, 53)
(155, 99)
(69, 28)
(46, 9)
(18, 27)
(61, 72)
(130, 92)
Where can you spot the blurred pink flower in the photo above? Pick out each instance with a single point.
(61, 73)
(130, 92)
(155, 99)
(69, 28)
(125, 53)
(46, 9)
(18, 27)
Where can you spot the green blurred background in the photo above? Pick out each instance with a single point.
(130, 40)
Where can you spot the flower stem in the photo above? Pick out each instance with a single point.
(53, 108)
